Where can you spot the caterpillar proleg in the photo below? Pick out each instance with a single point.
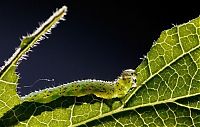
(103, 89)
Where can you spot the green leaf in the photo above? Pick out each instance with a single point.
(167, 94)
(8, 77)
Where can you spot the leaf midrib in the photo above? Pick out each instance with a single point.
(167, 65)
(118, 110)
(121, 109)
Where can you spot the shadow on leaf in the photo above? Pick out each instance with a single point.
(24, 111)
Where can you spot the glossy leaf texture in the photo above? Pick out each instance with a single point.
(168, 81)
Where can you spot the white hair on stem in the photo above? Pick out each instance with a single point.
(38, 35)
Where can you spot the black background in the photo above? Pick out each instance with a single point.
(98, 40)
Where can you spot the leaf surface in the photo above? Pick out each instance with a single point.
(8, 76)
(168, 81)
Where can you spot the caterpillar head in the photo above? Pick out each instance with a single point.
(129, 74)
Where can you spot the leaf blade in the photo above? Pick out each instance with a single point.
(8, 77)
(165, 78)
(174, 75)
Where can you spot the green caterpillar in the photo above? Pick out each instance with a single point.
(103, 89)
